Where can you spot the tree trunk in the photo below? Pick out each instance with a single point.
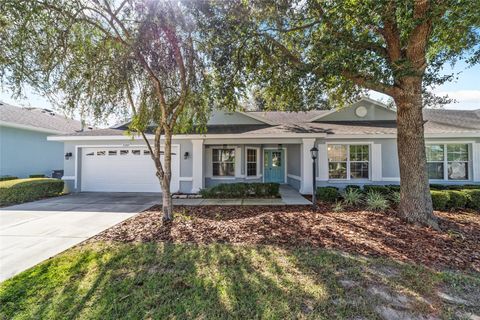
(167, 206)
(415, 200)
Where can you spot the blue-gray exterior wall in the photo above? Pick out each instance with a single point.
(26, 152)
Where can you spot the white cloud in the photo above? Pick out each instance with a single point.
(462, 95)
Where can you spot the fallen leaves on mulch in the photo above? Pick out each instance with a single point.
(457, 246)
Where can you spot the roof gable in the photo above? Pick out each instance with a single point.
(372, 111)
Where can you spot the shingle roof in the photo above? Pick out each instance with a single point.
(283, 117)
(38, 118)
(437, 122)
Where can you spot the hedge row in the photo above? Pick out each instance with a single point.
(7, 178)
(23, 190)
(442, 199)
(242, 190)
(456, 199)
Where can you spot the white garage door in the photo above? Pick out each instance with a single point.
(123, 169)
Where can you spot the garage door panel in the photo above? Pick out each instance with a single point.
(123, 170)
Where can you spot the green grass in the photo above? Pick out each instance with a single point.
(218, 281)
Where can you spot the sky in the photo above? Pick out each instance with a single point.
(465, 90)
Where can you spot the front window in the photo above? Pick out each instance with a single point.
(447, 161)
(252, 162)
(223, 162)
(348, 161)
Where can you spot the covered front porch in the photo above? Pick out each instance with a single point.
(284, 161)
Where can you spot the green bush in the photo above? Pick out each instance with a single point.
(438, 187)
(383, 190)
(376, 201)
(23, 190)
(440, 199)
(473, 198)
(395, 197)
(242, 190)
(458, 199)
(463, 187)
(328, 194)
(7, 178)
(353, 197)
(393, 188)
(37, 176)
(352, 187)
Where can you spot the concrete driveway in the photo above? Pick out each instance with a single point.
(35, 231)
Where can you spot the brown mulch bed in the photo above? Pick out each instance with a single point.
(457, 246)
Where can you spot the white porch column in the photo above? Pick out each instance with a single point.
(306, 163)
(197, 163)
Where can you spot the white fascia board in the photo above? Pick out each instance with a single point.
(190, 137)
(394, 136)
(30, 128)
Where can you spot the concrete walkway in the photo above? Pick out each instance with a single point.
(35, 231)
(289, 196)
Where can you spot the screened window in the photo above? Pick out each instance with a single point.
(112, 152)
(223, 162)
(252, 160)
(100, 153)
(348, 161)
(447, 161)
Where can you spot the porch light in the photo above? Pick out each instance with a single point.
(314, 153)
(68, 155)
(186, 155)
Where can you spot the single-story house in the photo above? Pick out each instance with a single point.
(357, 145)
(24, 149)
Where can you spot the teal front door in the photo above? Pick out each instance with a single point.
(274, 166)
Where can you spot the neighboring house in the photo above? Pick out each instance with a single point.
(24, 149)
(357, 145)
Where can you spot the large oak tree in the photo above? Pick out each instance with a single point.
(102, 56)
(306, 52)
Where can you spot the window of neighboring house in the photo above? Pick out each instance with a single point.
(348, 161)
(89, 154)
(252, 161)
(123, 152)
(146, 152)
(136, 152)
(112, 152)
(223, 162)
(447, 161)
(101, 153)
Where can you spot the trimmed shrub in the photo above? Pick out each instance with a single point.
(463, 187)
(7, 178)
(37, 176)
(458, 199)
(353, 197)
(242, 190)
(383, 190)
(393, 188)
(352, 187)
(473, 198)
(376, 201)
(328, 194)
(440, 199)
(438, 187)
(23, 190)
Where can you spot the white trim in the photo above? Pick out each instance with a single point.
(284, 149)
(267, 135)
(306, 184)
(367, 99)
(393, 179)
(292, 176)
(68, 178)
(255, 117)
(30, 128)
(185, 179)
(258, 150)
(198, 158)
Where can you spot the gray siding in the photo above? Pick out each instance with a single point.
(374, 112)
(25, 152)
(294, 159)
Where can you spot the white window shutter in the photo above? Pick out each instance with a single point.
(322, 162)
(238, 162)
(476, 161)
(376, 162)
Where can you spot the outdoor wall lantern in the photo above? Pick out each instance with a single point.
(186, 155)
(68, 155)
(314, 153)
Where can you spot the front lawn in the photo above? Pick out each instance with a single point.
(104, 280)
